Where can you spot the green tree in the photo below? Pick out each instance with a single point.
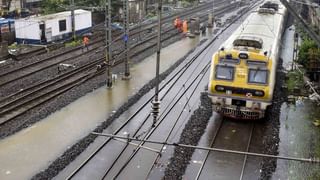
(53, 6)
(303, 56)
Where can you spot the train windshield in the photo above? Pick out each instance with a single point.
(224, 72)
(258, 76)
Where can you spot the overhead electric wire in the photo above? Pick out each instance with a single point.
(128, 120)
(147, 136)
(307, 160)
(150, 132)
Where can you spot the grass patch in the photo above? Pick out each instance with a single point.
(295, 80)
(73, 43)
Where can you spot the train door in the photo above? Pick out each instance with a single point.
(42, 28)
(49, 34)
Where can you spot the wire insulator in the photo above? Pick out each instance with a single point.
(155, 109)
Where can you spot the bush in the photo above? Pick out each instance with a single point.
(73, 43)
(303, 55)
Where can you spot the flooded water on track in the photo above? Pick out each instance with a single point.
(31, 150)
(299, 137)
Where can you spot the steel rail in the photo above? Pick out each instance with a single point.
(247, 150)
(12, 108)
(162, 118)
(53, 83)
(45, 97)
(53, 64)
(46, 66)
(208, 152)
(103, 144)
(59, 77)
(137, 52)
(14, 104)
(79, 47)
(181, 112)
(181, 71)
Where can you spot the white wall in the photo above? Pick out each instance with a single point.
(54, 25)
(83, 21)
(27, 29)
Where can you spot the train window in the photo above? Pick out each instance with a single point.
(258, 76)
(256, 63)
(224, 72)
(248, 41)
(232, 61)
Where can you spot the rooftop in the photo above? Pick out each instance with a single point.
(56, 15)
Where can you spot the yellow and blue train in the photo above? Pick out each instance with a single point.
(243, 71)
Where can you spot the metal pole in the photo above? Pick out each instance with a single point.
(146, 7)
(156, 102)
(108, 42)
(72, 20)
(210, 17)
(140, 17)
(305, 26)
(126, 39)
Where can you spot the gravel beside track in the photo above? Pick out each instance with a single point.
(70, 154)
(197, 124)
(271, 126)
(32, 116)
(191, 134)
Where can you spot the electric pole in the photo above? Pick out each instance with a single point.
(156, 102)
(312, 34)
(72, 20)
(146, 6)
(140, 17)
(108, 41)
(126, 38)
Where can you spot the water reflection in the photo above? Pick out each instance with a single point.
(298, 138)
(33, 149)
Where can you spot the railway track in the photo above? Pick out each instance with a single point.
(126, 153)
(7, 78)
(227, 136)
(21, 101)
(116, 38)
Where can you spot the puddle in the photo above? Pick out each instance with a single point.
(299, 137)
(31, 150)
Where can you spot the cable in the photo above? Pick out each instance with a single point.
(308, 160)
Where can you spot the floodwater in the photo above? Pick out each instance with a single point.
(287, 47)
(31, 150)
(299, 137)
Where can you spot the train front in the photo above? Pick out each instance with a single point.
(239, 84)
(243, 71)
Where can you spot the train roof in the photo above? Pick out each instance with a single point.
(5, 21)
(59, 15)
(259, 29)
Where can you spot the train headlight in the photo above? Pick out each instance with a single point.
(228, 92)
(256, 105)
(220, 101)
(259, 93)
(220, 88)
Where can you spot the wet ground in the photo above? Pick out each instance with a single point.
(299, 137)
(48, 139)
